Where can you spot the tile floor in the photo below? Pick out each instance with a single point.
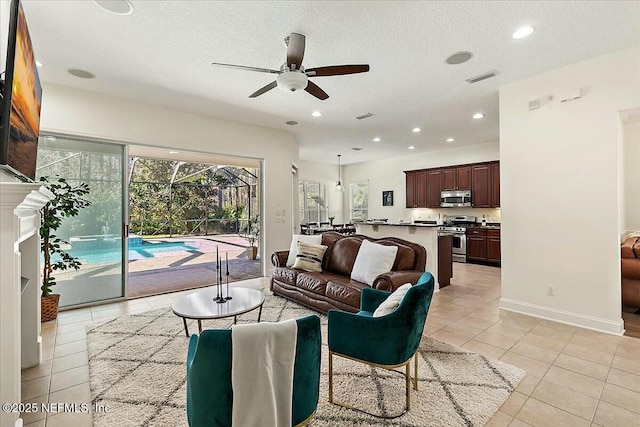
(575, 377)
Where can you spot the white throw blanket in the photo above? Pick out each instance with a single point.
(262, 373)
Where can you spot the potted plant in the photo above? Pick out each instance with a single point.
(251, 232)
(67, 202)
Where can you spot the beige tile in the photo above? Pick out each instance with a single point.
(75, 318)
(70, 377)
(514, 403)
(548, 343)
(73, 327)
(70, 348)
(628, 352)
(532, 366)
(475, 322)
(78, 393)
(621, 397)
(450, 337)
(36, 414)
(588, 354)
(574, 381)
(627, 365)
(537, 413)
(518, 423)
(624, 379)
(488, 315)
(47, 353)
(39, 423)
(535, 352)
(437, 322)
(594, 344)
(503, 328)
(581, 366)
(462, 330)
(558, 326)
(522, 317)
(428, 330)
(66, 419)
(484, 349)
(71, 336)
(34, 388)
(495, 340)
(63, 314)
(500, 419)
(557, 334)
(566, 399)
(70, 361)
(38, 371)
(611, 415)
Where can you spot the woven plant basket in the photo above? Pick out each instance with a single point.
(49, 307)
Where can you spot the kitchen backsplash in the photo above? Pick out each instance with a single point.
(492, 215)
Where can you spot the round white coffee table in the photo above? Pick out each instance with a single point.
(202, 305)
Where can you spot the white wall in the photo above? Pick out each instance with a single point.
(387, 174)
(631, 175)
(559, 181)
(92, 115)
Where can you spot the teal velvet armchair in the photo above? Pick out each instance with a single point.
(209, 388)
(388, 341)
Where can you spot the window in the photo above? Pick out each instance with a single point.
(312, 200)
(359, 200)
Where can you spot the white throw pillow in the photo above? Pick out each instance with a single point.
(392, 302)
(309, 257)
(372, 260)
(293, 250)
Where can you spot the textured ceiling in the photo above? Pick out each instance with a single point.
(161, 53)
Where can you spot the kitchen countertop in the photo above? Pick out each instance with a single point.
(399, 224)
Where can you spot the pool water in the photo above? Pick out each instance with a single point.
(144, 251)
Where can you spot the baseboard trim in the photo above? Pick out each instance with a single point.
(562, 316)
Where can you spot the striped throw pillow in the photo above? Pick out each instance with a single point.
(309, 257)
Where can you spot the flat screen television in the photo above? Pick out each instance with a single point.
(21, 97)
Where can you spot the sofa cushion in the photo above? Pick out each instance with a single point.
(315, 282)
(345, 290)
(343, 255)
(285, 275)
(372, 260)
(293, 250)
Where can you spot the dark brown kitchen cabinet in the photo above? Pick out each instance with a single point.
(495, 184)
(477, 248)
(416, 188)
(493, 246)
(481, 185)
(456, 178)
(434, 182)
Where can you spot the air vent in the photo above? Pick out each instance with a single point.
(483, 77)
(364, 116)
(356, 148)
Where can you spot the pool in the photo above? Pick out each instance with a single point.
(144, 250)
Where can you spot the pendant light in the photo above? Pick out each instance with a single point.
(339, 186)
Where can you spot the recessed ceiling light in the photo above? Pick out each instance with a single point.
(316, 114)
(376, 139)
(81, 74)
(416, 130)
(459, 58)
(411, 147)
(450, 139)
(173, 152)
(39, 64)
(119, 7)
(523, 32)
(293, 123)
(478, 116)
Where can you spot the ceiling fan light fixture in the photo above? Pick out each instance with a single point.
(292, 81)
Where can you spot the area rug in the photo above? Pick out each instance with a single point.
(137, 368)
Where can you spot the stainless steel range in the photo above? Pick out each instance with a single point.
(456, 227)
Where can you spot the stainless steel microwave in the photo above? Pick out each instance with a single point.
(455, 199)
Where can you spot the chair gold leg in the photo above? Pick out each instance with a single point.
(330, 377)
(415, 373)
(408, 386)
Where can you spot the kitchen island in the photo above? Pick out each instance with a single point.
(438, 256)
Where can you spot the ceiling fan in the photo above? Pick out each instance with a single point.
(292, 76)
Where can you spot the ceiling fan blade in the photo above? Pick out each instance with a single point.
(267, 88)
(336, 70)
(295, 50)
(315, 90)
(242, 67)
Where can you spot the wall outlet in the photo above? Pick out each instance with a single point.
(551, 290)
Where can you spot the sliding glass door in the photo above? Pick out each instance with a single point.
(95, 235)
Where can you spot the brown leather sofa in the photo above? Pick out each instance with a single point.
(630, 254)
(333, 287)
